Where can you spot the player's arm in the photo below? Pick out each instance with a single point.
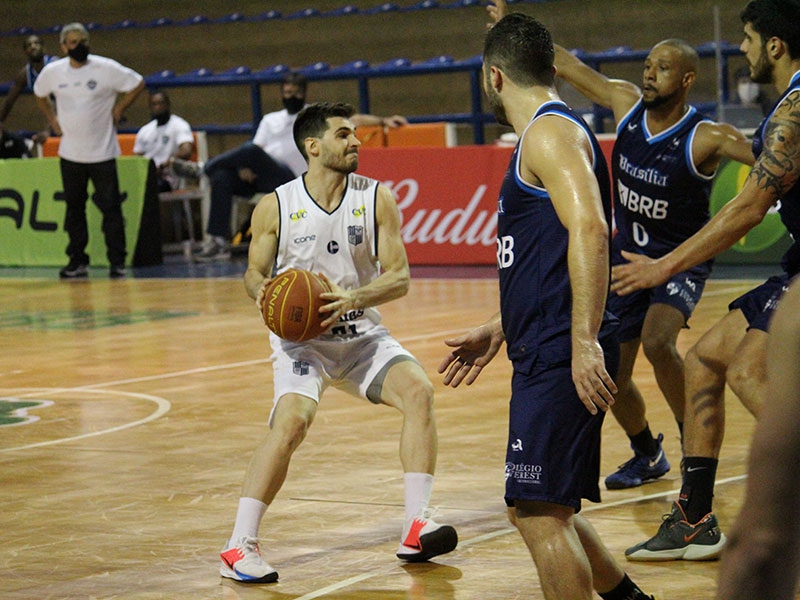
(715, 141)
(557, 153)
(616, 94)
(17, 87)
(393, 282)
(263, 246)
(776, 171)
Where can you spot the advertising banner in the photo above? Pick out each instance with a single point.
(32, 212)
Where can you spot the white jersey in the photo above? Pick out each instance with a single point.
(275, 135)
(161, 142)
(86, 97)
(342, 244)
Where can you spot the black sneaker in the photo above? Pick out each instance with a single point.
(117, 272)
(74, 270)
(677, 539)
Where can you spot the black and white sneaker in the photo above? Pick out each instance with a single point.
(74, 270)
(117, 272)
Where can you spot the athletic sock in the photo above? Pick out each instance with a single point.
(643, 442)
(697, 491)
(418, 488)
(248, 518)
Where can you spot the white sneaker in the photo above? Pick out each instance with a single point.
(243, 562)
(423, 538)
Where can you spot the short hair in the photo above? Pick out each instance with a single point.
(312, 121)
(775, 18)
(73, 27)
(295, 79)
(160, 92)
(522, 48)
(689, 56)
(26, 40)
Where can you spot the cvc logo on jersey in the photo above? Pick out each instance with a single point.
(765, 238)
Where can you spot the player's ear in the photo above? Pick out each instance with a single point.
(312, 146)
(496, 78)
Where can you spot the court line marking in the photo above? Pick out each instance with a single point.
(499, 533)
(163, 406)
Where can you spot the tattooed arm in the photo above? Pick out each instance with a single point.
(776, 171)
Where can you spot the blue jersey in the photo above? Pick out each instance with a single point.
(789, 208)
(32, 74)
(660, 198)
(535, 292)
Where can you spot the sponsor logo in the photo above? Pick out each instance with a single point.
(517, 446)
(644, 205)
(359, 212)
(300, 214)
(305, 238)
(91, 84)
(505, 251)
(523, 473)
(649, 175)
(467, 225)
(673, 288)
(333, 247)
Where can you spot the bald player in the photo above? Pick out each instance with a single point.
(664, 160)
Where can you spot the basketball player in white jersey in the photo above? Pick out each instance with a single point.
(346, 227)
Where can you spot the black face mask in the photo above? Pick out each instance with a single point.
(162, 118)
(79, 53)
(294, 104)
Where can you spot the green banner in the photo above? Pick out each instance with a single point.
(32, 212)
(766, 242)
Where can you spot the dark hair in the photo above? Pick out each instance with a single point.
(295, 79)
(312, 121)
(775, 18)
(160, 92)
(523, 48)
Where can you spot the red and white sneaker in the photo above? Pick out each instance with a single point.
(243, 562)
(423, 538)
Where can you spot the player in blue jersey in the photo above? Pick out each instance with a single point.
(553, 240)
(25, 78)
(733, 351)
(664, 159)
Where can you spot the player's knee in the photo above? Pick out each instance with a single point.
(418, 396)
(659, 348)
(291, 430)
(744, 376)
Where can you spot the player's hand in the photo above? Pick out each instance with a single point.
(394, 121)
(260, 296)
(641, 273)
(473, 351)
(497, 9)
(594, 385)
(340, 302)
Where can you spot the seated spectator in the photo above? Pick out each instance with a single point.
(25, 78)
(13, 145)
(270, 160)
(166, 136)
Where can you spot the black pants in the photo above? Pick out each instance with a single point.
(223, 174)
(75, 178)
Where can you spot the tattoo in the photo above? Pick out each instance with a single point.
(778, 167)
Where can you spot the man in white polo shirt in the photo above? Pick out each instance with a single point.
(86, 89)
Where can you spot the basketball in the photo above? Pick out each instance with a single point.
(291, 303)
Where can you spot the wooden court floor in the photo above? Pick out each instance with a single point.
(131, 409)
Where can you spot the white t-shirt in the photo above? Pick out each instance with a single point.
(274, 135)
(86, 98)
(161, 142)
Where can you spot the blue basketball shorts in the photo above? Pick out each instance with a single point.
(759, 304)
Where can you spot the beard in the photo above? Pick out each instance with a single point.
(497, 108)
(762, 71)
(658, 100)
(341, 164)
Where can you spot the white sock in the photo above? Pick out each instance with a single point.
(248, 518)
(418, 488)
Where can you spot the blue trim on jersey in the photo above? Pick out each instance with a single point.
(654, 139)
(544, 109)
(688, 155)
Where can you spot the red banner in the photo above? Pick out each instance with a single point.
(447, 198)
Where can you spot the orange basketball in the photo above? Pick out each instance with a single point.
(291, 305)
